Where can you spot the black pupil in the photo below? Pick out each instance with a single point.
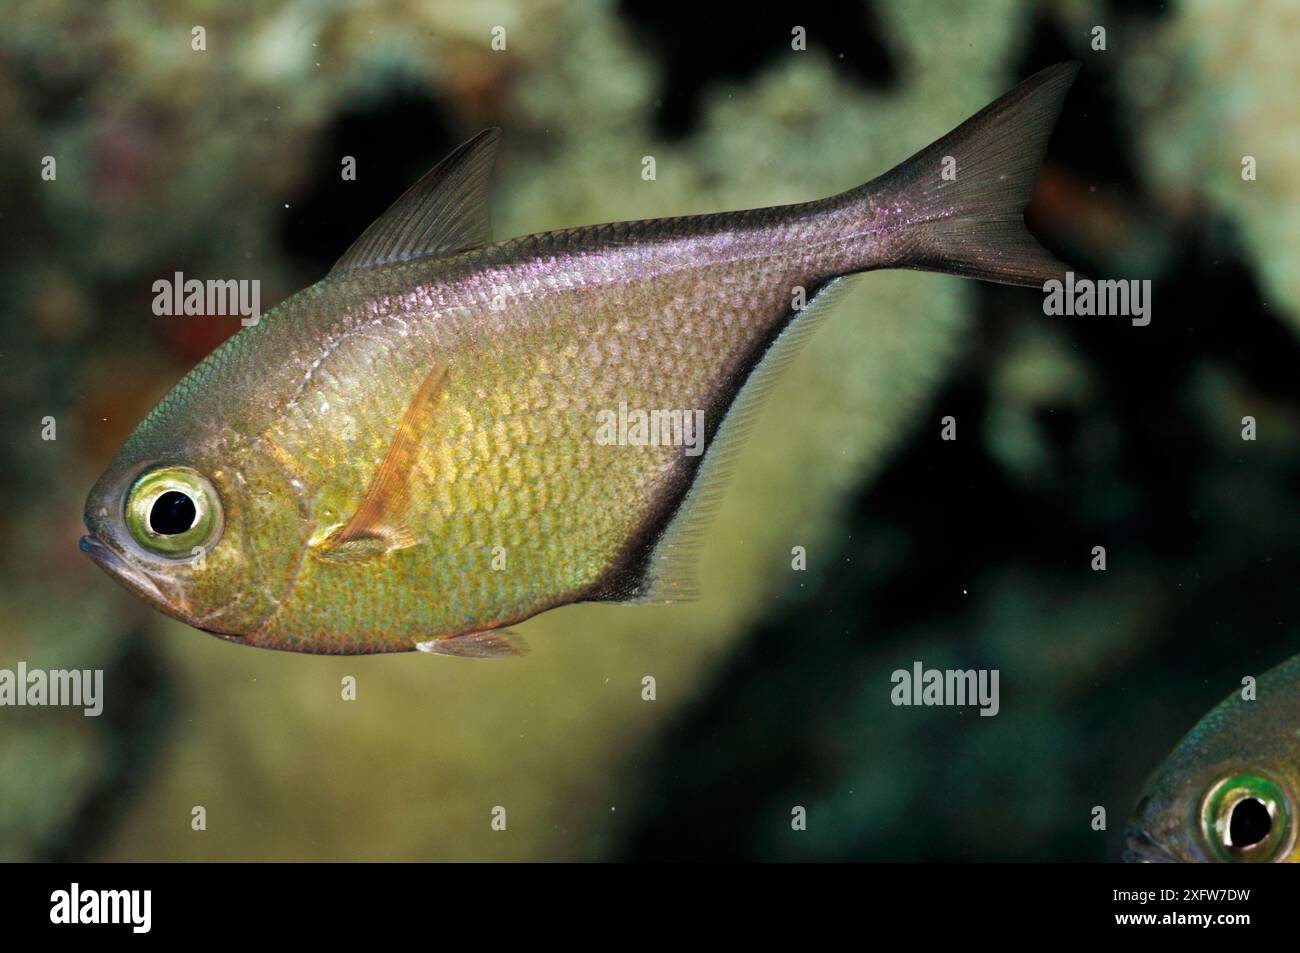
(172, 513)
(1250, 823)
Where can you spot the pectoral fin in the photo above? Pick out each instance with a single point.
(379, 524)
(491, 643)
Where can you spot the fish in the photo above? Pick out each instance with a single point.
(447, 435)
(1227, 793)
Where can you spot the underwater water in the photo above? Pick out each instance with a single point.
(925, 487)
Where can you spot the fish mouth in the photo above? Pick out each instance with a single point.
(1141, 848)
(112, 563)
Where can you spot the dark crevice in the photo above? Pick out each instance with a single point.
(1094, 138)
(394, 141)
(695, 52)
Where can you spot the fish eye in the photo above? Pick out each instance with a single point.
(174, 511)
(1247, 818)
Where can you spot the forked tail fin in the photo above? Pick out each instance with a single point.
(964, 196)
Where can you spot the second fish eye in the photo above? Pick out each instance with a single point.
(1250, 823)
(1247, 818)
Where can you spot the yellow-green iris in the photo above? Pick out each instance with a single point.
(174, 511)
(1247, 818)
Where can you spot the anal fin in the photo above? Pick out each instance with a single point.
(666, 573)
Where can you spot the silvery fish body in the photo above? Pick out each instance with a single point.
(446, 436)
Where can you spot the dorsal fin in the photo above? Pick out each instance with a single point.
(442, 213)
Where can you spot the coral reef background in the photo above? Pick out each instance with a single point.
(773, 690)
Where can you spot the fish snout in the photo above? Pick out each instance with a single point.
(1141, 848)
(116, 565)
